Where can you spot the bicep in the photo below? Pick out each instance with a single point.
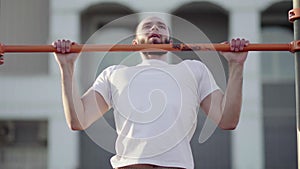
(212, 102)
(94, 105)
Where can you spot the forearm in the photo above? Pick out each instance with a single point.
(73, 107)
(232, 99)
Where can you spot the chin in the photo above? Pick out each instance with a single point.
(155, 41)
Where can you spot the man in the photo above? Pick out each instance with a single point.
(155, 103)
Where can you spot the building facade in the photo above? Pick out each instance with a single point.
(34, 133)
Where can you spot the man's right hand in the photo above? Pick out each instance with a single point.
(63, 55)
(1, 59)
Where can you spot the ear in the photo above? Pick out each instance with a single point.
(134, 42)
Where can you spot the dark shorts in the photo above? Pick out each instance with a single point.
(145, 166)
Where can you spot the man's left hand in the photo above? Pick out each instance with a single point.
(236, 45)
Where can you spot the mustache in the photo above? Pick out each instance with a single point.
(164, 41)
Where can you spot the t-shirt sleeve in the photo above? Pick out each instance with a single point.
(206, 82)
(102, 85)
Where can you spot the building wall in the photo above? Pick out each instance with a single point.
(278, 75)
(32, 90)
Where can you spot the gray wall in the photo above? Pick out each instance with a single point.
(278, 90)
(24, 22)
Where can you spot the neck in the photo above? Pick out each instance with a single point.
(158, 57)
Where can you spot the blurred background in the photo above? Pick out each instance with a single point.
(33, 131)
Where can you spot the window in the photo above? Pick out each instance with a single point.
(23, 144)
(277, 66)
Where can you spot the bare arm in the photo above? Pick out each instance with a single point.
(225, 108)
(80, 112)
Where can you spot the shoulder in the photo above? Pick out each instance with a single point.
(194, 64)
(113, 68)
(109, 70)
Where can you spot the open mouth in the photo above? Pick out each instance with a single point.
(154, 35)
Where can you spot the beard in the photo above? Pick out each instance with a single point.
(155, 41)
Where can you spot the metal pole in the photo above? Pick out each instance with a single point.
(296, 4)
(148, 47)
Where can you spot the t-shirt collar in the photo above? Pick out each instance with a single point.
(153, 62)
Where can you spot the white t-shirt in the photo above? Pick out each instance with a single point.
(155, 109)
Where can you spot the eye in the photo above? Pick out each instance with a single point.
(162, 27)
(146, 27)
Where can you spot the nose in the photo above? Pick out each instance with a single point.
(154, 27)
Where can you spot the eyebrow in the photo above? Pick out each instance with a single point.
(159, 23)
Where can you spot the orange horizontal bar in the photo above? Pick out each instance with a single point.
(292, 47)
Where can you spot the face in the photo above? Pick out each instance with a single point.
(152, 30)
